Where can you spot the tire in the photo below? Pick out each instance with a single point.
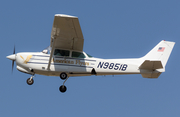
(62, 88)
(29, 82)
(63, 75)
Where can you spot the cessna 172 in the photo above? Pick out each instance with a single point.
(66, 57)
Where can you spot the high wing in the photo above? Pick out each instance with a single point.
(66, 34)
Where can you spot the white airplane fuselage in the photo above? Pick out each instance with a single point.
(37, 62)
(71, 63)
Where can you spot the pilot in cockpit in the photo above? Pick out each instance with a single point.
(57, 52)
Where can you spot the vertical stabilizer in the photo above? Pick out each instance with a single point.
(160, 52)
(155, 61)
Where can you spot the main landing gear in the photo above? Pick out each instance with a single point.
(63, 76)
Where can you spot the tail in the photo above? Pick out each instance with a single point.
(155, 61)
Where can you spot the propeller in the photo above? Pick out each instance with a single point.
(13, 60)
(12, 57)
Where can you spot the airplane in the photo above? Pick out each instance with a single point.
(65, 57)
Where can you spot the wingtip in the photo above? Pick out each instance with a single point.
(64, 15)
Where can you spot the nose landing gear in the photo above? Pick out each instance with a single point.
(30, 80)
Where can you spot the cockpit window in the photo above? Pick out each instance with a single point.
(78, 55)
(59, 52)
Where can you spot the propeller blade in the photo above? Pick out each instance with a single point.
(13, 60)
(12, 66)
(14, 50)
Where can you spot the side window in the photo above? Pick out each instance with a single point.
(89, 55)
(78, 55)
(59, 52)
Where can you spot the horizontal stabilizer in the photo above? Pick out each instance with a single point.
(151, 75)
(151, 65)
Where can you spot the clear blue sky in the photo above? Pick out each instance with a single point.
(111, 29)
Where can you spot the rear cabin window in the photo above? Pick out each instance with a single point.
(89, 55)
(59, 52)
(78, 55)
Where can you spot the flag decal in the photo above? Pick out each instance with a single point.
(161, 49)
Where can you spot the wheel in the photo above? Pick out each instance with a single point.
(62, 88)
(63, 75)
(30, 82)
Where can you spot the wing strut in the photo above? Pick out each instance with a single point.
(52, 51)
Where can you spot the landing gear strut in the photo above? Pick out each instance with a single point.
(63, 76)
(30, 80)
